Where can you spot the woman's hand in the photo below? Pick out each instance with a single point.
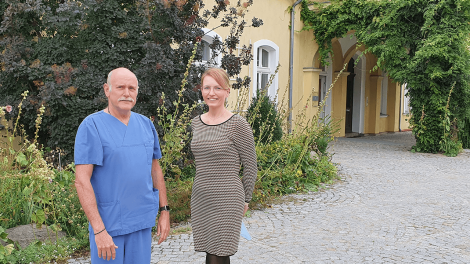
(246, 209)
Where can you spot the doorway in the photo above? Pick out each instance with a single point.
(350, 97)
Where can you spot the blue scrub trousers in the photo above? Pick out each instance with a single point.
(132, 248)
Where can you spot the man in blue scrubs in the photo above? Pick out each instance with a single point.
(119, 181)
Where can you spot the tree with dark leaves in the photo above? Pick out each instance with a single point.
(62, 51)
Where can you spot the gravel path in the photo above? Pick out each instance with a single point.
(391, 206)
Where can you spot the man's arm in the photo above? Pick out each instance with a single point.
(163, 226)
(104, 241)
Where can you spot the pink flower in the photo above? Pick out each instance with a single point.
(50, 180)
(8, 108)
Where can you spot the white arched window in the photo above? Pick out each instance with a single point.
(266, 55)
(406, 100)
(207, 40)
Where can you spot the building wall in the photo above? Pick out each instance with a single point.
(307, 72)
(276, 19)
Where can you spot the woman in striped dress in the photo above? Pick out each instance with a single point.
(221, 143)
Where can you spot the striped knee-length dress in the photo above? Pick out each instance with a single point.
(218, 196)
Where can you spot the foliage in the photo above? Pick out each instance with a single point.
(179, 199)
(297, 162)
(175, 130)
(449, 143)
(32, 192)
(264, 119)
(421, 43)
(38, 252)
(68, 212)
(7, 249)
(62, 51)
(464, 132)
(285, 167)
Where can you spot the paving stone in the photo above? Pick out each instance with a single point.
(391, 206)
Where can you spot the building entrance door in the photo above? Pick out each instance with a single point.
(350, 97)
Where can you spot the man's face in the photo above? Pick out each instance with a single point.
(123, 93)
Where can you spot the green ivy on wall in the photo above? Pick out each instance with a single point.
(423, 43)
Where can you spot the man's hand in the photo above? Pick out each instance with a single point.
(106, 247)
(163, 226)
(86, 194)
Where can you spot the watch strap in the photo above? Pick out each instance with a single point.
(165, 208)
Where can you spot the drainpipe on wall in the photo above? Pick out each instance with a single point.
(399, 110)
(291, 60)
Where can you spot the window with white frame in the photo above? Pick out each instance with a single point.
(206, 51)
(206, 41)
(406, 100)
(267, 58)
(383, 103)
(262, 62)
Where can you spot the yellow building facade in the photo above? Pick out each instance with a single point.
(362, 100)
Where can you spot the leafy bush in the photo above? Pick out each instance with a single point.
(264, 119)
(464, 132)
(32, 192)
(449, 143)
(67, 211)
(288, 165)
(6, 250)
(62, 51)
(179, 199)
(299, 161)
(38, 252)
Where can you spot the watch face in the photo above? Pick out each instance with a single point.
(165, 208)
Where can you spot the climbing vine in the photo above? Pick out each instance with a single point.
(423, 43)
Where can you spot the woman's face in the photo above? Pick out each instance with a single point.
(214, 95)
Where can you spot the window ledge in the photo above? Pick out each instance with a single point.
(382, 115)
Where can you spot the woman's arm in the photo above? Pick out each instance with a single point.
(245, 145)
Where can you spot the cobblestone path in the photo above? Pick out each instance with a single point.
(392, 206)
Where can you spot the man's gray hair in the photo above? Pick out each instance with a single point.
(109, 80)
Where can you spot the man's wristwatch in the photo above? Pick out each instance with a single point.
(165, 208)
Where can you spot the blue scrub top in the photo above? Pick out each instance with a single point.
(121, 178)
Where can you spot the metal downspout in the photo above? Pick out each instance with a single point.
(291, 60)
(399, 110)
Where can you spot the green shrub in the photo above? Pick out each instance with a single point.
(179, 199)
(6, 250)
(264, 119)
(39, 252)
(464, 132)
(32, 192)
(67, 212)
(62, 51)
